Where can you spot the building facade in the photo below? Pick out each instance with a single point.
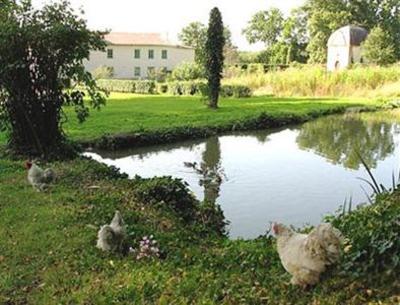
(344, 47)
(139, 55)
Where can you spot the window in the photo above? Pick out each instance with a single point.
(137, 53)
(137, 72)
(164, 54)
(151, 54)
(110, 53)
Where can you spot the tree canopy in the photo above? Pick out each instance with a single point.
(41, 62)
(305, 33)
(195, 36)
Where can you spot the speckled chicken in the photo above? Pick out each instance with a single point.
(112, 237)
(306, 256)
(38, 177)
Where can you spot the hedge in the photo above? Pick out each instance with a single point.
(195, 87)
(128, 86)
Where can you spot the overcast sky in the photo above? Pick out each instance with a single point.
(170, 16)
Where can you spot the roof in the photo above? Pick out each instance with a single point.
(348, 35)
(130, 39)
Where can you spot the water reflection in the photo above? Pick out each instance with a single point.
(210, 171)
(339, 139)
(292, 175)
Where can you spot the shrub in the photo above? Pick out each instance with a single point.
(374, 233)
(379, 48)
(237, 91)
(187, 88)
(167, 191)
(103, 72)
(188, 71)
(128, 86)
(162, 87)
(145, 86)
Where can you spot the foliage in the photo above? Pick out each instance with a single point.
(376, 247)
(285, 39)
(379, 48)
(128, 86)
(201, 88)
(236, 91)
(214, 57)
(265, 26)
(188, 71)
(167, 191)
(159, 75)
(307, 80)
(41, 57)
(187, 88)
(195, 35)
(59, 231)
(103, 72)
(325, 17)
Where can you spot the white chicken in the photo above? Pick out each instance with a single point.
(306, 256)
(38, 177)
(112, 237)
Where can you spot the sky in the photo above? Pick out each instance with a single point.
(170, 16)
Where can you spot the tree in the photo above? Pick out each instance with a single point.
(214, 52)
(285, 39)
(265, 26)
(324, 17)
(379, 48)
(195, 35)
(41, 54)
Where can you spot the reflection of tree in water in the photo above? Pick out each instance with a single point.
(340, 138)
(210, 171)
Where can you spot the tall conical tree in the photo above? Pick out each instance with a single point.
(214, 56)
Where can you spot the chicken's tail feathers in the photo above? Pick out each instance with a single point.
(49, 175)
(104, 237)
(117, 220)
(325, 242)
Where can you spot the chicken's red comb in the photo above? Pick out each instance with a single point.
(275, 228)
(28, 164)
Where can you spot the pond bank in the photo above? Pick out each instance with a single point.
(49, 255)
(166, 135)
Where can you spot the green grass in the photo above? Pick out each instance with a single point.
(48, 254)
(128, 113)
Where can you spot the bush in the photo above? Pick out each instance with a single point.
(145, 86)
(379, 47)
(188, 71)
(128, 86)
(162, 87)
(374, 234)
(103, 72)
(187, 88)
(237, 91)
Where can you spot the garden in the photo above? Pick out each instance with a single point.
(175, 248)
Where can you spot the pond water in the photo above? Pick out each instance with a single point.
(293, 175)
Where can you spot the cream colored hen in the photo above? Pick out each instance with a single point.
(306, 256)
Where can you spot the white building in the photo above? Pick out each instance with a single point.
(344, 47)
(135, 55)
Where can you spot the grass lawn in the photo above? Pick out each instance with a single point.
(48, 254)
(128, 113)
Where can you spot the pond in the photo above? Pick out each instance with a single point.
(293, 175)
